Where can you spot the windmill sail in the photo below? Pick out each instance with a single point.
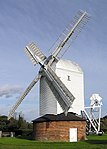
(71, 32)
(62, 94)
(35, 54)
(23, 95)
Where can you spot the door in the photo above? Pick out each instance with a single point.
(73, 135)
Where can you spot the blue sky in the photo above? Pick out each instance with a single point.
(41, 21)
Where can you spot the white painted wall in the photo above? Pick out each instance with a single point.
(76, 84)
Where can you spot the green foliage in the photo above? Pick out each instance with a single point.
(104, 124)
(3, 123)
(15, 125)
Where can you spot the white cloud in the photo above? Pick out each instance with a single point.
(10, 90)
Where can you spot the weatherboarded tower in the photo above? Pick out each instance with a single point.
(72, 76)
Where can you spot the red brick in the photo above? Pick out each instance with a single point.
(58, 130)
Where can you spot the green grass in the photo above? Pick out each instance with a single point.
(93, 142)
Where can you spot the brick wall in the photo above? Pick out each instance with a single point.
(58, 130)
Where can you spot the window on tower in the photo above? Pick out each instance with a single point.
(69, 78)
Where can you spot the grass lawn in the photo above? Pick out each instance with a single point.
(93, 142)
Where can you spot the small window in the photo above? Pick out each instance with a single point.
(69, 78)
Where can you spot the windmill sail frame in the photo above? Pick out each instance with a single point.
(60, 91)
(73, 29)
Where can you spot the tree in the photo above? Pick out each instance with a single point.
(14, 124)
(4, 123)
(104, 124)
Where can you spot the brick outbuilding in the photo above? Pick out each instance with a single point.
(57, 127)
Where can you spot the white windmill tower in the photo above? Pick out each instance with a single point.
(93, 114)
(55, 95)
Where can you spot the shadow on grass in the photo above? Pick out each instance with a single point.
(97, 141)
(24, 137)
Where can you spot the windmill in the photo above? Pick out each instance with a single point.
(93, 114)
(62, 94)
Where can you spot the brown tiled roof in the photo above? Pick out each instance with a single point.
(60, 117)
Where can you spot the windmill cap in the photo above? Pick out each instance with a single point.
(68, 65)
